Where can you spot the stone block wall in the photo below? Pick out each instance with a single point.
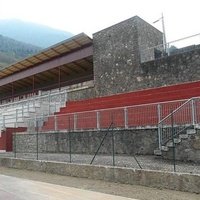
(116, 56)
(175, 69)
(148, 37)
(187, 150)
(126, 142)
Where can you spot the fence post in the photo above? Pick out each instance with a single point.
(193, 112)
(98, 120)
(75, 122)
(55, 123)
(174, 152)
(126, 118)
(159, 112)
(70, 144)
(159, 127)
(49, 102)
(37, 138)
(15, 145)
(70, 147)
(113, 148)
(4, 122)
(16, 116)
(159, 136)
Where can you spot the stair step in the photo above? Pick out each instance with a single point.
(177, 140)
(191, 131)
(169, 144)
(157, 152)
(183, 136)
(165, 148)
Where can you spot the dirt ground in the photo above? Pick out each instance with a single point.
(131, 191)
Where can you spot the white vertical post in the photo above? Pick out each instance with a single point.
(159, 126)
(49, 102)
(22, 110)
(16, 115)
(28, 105)
(159, 112)
(75, 122)
(193, 112)
(4, 121)
(125, 118)
(60, 99)
(98, 120)
(55, 121)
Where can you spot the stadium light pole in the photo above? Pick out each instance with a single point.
(164, 33)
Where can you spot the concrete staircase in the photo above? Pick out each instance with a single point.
(167, 148)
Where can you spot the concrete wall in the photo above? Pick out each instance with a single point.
(126, 142)
(157, 179)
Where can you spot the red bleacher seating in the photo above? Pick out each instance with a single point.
(162, 94)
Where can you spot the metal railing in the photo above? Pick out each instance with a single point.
(138, 116)
(171, 48)
(182, 118)
(14, 113)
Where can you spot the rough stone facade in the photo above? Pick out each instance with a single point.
(116, 56)
(170, 70)
(120, 66)
(187, 150)
(128, 142)
(83, 93)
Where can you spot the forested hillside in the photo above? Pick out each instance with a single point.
(36, 34)
(12, 50)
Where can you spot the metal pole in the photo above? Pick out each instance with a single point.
(113, 143)
(98, 120)
(193, 112)
(37, 138)
(159, 126)
(126, 118)
(164, 34)
(15, 145)
(55, 123)
(174, 152)
(113, 148)
(70, 147)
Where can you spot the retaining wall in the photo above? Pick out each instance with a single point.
(149, 178)
(126, 142)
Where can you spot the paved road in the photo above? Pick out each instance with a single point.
(12, 188)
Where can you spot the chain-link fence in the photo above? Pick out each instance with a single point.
(128, 148)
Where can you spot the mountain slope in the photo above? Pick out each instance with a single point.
(35, 34)
(12, 50)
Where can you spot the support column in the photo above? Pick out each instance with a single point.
(12, 85)
(33, 83)
(59, 77)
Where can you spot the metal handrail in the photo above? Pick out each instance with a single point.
(164, 128)
(168, 43)
(176, 110)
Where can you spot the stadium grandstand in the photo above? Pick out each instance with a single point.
(124, 76)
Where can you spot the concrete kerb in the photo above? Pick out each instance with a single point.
(150, 178)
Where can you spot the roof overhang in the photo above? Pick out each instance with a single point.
(73, 50)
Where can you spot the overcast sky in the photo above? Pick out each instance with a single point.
(89, 16)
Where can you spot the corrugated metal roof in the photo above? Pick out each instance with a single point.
(64, 47)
